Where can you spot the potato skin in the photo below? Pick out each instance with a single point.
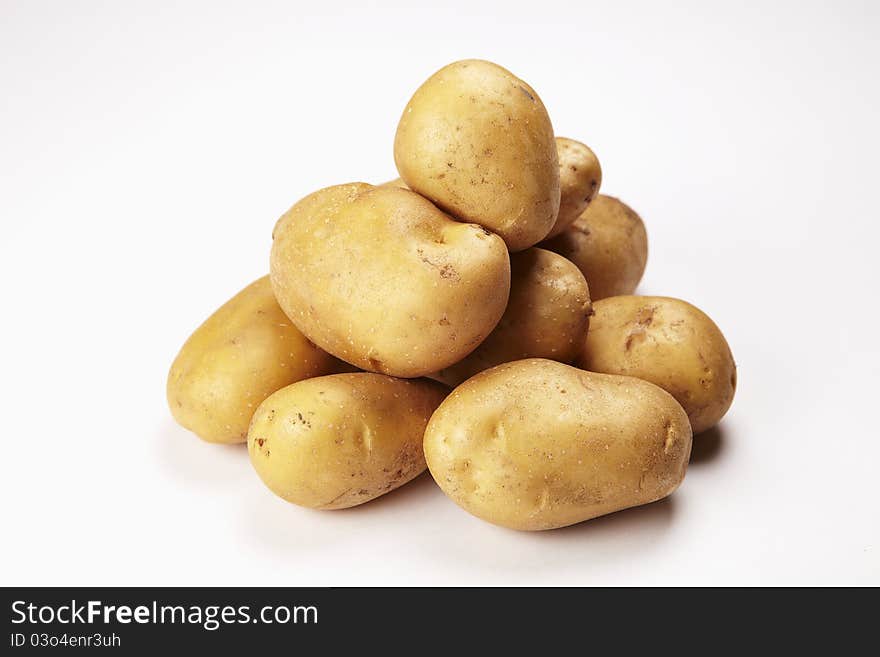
(478, 142)
(382, 279)
(580, 177)
(668, 342)
(397, 182)
(537, 444)
(546, 317)
(609, 245)
(240, 355)
(338, 441)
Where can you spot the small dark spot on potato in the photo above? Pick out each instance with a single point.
(526, 92)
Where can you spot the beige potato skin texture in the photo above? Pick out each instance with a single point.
(546, 317)
(668, 342)
(397, 182)
(338, 441)
(609, 245)
(240, 355)
(580, 177)
(477, 141)
(382, 279)
(537, 444)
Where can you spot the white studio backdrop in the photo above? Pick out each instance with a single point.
(147, 148)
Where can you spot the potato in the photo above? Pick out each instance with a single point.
(244, 352)
(546, 317)
(609, 245)
(381, 278)
(668, 342)
(536, 444)
(580, 177)
(477, 141)
(338, 441)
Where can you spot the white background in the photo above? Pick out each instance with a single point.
(147, 148)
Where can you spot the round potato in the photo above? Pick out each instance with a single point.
(381, 278)
(668, 342)
(546, 317)
(609, 245)
(580, 177)
(537, 444)
(244, 352)
(338, 441)
(477, 141)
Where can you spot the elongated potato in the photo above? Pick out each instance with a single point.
(546, 317)
(381, 278)
(580, 177)
(338, 441)
(478, 142)
(244, 352)
(536, 444)
(609, 245)
(668, 342)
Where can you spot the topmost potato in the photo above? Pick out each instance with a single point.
(477, 141)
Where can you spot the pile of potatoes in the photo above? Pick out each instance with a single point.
(474, 317)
